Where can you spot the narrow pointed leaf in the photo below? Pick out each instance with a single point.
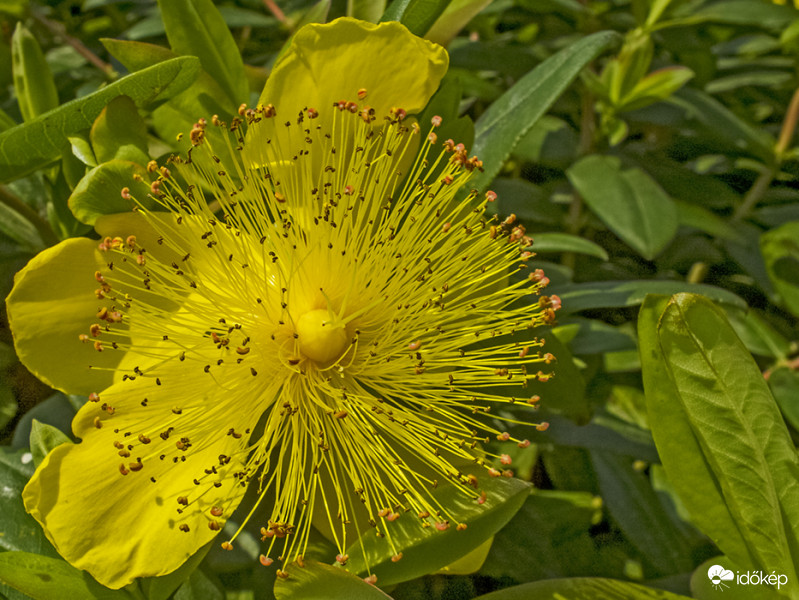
(30, 146)
(33, 82)
(416, 15)
(196, 28)
(500, 128)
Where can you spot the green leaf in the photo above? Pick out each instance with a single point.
(784, 384)
(745, 444)
(47, 578)
(195, 27)
(43, 439)
(635, 507)
(119, 132)
(203, 98)
(735, 12)
(679, 449)
(604, 432)
(453, 19)
(30, 146)
(417, 15)
(161, 588)
(564, 394)
(693, 215)
(610, 294)
(366, 10)
(427, 549)
(317, 581)
(592, 336)
(656, 86)
(8, 404)
(33, 82)
(581, 588)
(199, 587)
(629, 202)
(721, 122)
(780, 248)
(20, 531)
(757, 335)
(548, 537)
(99, 192)
(563, 242)
(20, 229)
(505, 122)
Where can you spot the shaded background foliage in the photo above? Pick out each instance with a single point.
(654, 161)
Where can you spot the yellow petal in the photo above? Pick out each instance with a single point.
(52, 303)
(332, 62)
(121, 526)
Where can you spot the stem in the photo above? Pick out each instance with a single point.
(275, 10)
(764, 179)
(58, 30)
(754, 194)
(788, 125)
(43, 227)
(587, 128)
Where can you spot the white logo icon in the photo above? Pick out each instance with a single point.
(718, 575)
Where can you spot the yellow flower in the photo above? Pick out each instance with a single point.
(311, 306)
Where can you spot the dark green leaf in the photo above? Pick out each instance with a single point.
(195, 27)
(564, 393)
(563, 242)
(780, 248)
(417, 15)
(721, 122)
(735, 12)
(47, 578)
(693, 215)
(609, 294)
(784, 384)
(635, 507)
(591, 336)
(20, 531)
(43, 439)
(499, 128)
(548, 537)
(317, 581)
(161, 588)
(581, 588)
(604, 432)
(8, 404)
(199, 587)
(27, 147)
(427, 549)
(628, 201)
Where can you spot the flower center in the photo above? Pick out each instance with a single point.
(321, 338)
